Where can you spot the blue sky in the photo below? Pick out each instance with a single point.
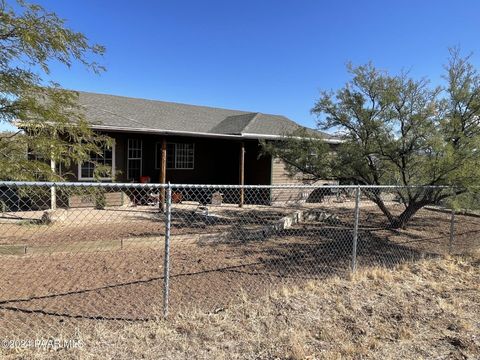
(264, 55)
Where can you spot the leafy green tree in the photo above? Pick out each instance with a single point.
(52, 123)
(300, 152)
(398, 131)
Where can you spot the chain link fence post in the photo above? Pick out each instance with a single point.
(166, 265)
(355, 229)
(452, 225)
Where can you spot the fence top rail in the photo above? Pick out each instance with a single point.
(210, 186)
(81, 184)
(319, 186)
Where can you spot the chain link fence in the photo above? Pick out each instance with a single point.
(73, 255)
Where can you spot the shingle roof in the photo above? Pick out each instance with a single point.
(234, 124)
(111, 111)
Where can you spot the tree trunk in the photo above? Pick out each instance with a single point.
(381, 205)
(412, 207)
(401, 221)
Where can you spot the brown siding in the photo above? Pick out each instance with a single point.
(280, 176)
(216, 161)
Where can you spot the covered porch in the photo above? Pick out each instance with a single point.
(193, 160)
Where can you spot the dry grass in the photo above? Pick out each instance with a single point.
(430, 309)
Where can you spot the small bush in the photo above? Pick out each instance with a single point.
(100, 200)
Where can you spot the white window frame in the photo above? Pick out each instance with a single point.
(134, 158)
(175, 157)
(79, 174)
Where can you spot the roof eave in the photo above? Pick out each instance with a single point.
(198, 134)
(279, 137)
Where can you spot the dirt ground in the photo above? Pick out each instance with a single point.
(46, 293)
(428, 309)
(89, 224)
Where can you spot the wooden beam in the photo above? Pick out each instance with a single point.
(242, 173)
(163, 173)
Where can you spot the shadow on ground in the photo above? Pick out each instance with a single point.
(211, 274)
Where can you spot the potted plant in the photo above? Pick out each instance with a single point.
(177, 197)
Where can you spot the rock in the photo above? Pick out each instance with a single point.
(51, 216)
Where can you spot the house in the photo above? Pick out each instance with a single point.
(162, 142)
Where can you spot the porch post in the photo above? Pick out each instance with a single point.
(163, 173)
(242, 173)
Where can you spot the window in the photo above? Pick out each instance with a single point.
(183, 158)
(86, 170)
(32, 156)
(134, 159)
(179, 155)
